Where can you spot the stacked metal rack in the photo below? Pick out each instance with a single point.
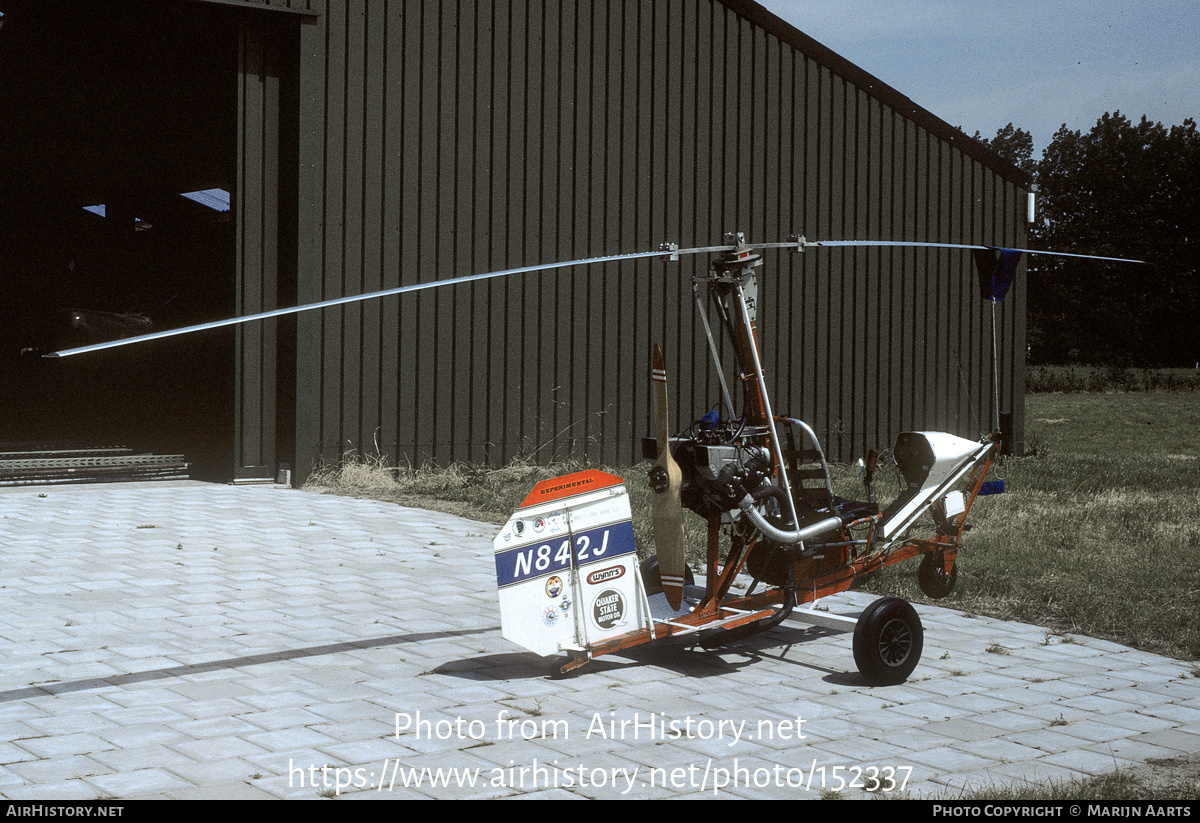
(45, 463)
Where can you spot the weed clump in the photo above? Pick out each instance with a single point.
(467, 489)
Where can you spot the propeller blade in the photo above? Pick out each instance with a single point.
(668, 510)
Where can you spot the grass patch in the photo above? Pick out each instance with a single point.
(1098, 531)
(1109, 379)
(1122, 784)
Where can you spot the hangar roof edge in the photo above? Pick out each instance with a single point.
(764, 19)
(265, 5)
(895, 99)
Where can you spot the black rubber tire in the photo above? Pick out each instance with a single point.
(933, 581)
(651, 579)
(887, 641)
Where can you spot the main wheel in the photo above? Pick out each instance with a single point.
(887, 641)
(934, 581)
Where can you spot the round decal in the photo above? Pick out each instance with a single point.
(549, 616)
(554, 586)
(608, 608)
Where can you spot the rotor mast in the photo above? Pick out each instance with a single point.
(733, 285)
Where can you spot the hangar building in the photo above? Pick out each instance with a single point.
(333, 147)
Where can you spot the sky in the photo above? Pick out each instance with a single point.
(1038, 65)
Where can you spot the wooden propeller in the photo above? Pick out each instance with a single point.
(668, 510)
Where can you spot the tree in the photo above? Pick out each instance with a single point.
(1121, 190)
(1014, 145)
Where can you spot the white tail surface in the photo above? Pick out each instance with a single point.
(567, 568)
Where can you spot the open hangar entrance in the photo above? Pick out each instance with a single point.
(121, 131)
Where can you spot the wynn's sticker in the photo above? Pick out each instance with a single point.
(604, 575)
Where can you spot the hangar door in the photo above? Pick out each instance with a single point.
(139, 188)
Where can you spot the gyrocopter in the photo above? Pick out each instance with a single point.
(567, 569)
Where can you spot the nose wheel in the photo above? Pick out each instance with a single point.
(933, 578)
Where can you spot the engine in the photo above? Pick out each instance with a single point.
(721, 461)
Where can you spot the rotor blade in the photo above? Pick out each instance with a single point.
(668, 508)
(908, 244)
(797, 243)
(324, 304)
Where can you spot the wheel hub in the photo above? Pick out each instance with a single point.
(895, 642)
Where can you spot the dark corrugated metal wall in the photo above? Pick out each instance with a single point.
(257, 215)
(439, 139)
